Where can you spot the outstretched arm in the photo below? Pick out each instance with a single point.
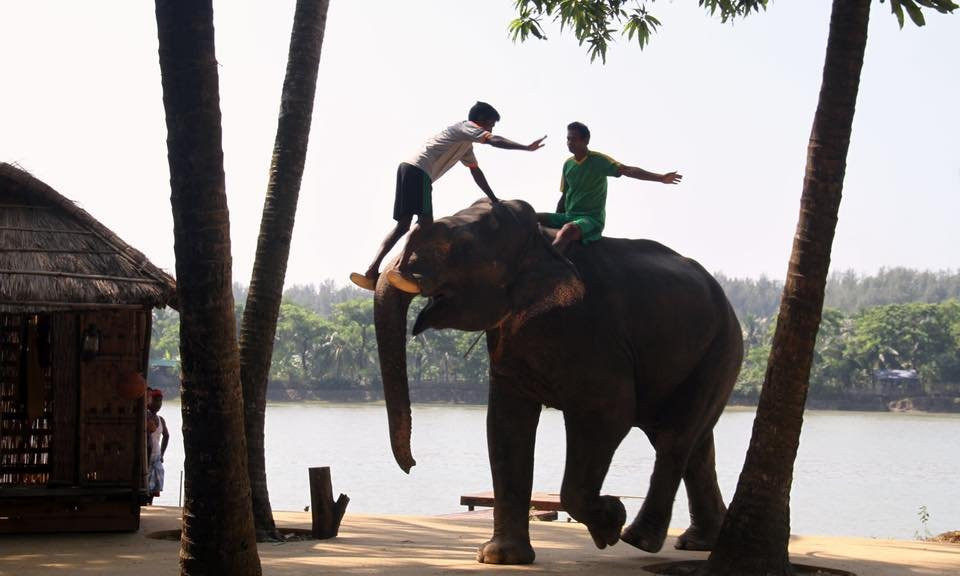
(641, 174)
(501, 142)
(481, 181)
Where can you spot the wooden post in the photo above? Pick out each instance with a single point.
(327, 514)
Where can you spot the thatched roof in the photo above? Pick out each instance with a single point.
(55, 256)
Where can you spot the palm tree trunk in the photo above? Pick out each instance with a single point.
(218, 535)
(756, 530)
(273, 246)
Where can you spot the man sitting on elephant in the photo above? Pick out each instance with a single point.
(582, 208)
(415, 177)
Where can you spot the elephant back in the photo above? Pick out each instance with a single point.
(651, 284)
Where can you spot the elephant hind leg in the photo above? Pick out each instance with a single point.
(685, 440)
(703, 494)
(649, 529)
(710, 386)
(676, 443)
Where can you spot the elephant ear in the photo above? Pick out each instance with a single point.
(546, 281)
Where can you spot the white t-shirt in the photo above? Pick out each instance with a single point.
(455, 143)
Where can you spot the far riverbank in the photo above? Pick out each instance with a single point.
(460, 393)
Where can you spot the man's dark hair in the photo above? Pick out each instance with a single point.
(581, 129)
(482, 112)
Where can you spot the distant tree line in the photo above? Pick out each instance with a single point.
(851, 345)
(847, 291)
(325, 340)
(897, 319)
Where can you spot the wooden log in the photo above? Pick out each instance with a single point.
(327, 514)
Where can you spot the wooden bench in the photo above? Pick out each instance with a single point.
(542, 501)
(487, 514)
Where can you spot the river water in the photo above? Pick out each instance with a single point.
(857, 474)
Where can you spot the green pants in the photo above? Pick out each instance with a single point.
(590, 227)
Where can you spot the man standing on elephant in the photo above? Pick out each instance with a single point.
(582, 208)
(415, 177)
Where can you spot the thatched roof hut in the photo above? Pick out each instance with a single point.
(75, 320)
(55, 256)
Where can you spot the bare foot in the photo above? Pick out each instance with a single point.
(365, 281)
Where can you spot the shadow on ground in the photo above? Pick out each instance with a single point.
(407, 546)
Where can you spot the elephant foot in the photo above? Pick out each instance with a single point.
(695, 538)
(501, 550)
(644, 536)
(606, 531)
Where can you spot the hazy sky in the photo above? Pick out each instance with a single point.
(730, 107)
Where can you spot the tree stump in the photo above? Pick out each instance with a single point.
(327, 514)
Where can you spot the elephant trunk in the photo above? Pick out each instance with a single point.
(390, 319)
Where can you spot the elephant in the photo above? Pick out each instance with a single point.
(615, 334)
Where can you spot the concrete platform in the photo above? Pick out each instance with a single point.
(408, 545)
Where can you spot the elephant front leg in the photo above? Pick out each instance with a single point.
(591, 442)
(511, 434)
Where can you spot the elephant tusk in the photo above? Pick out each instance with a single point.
(400, 281)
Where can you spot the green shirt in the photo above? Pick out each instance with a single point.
(584, 185)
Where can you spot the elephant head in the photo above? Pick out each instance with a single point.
(484, 267)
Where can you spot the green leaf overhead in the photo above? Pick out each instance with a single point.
(595, 22)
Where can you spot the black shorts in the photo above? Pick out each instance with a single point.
(414, 193)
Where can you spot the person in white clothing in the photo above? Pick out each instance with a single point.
(415, 176)
(157, 439)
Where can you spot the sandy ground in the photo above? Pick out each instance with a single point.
(408, 545)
